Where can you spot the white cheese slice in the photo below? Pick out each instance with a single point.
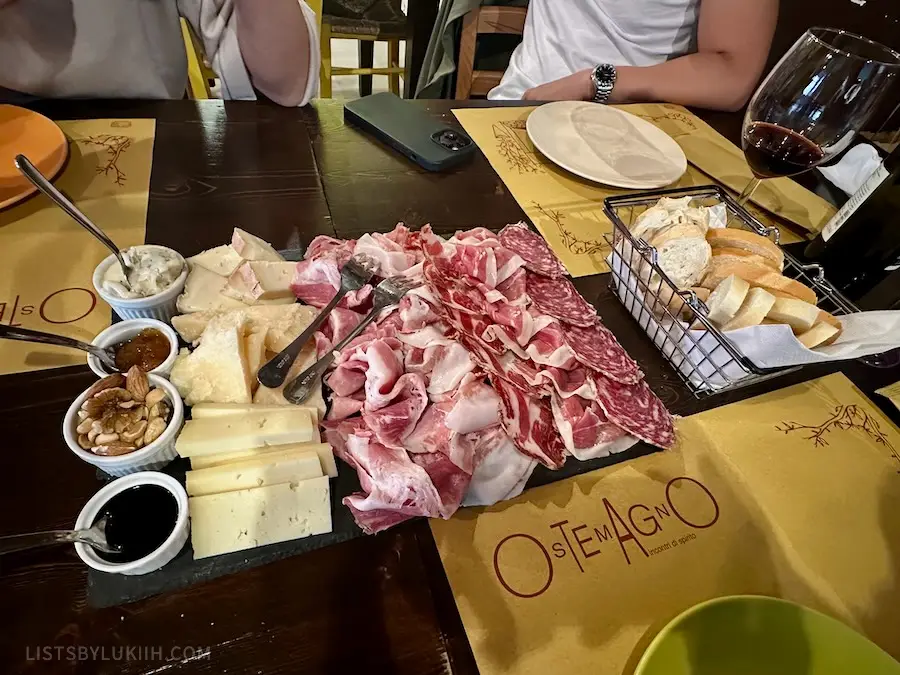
(322, 450)
(284, 323)
(203, 292)
(217, 369)
(222, 260)
(253, 473)
(222, 409)
(261, 280)
(236, 521)
(251, 247)
(214, 435)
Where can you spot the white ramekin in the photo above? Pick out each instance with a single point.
(157, 558)
(160, 306)
(122, 331)
(154, 456)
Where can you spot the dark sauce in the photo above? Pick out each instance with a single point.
(146, 350)
(139, 520)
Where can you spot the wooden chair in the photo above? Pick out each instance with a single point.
(386, 23)
(199, 74)
(481, 21)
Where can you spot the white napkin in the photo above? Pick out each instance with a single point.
(854, 168)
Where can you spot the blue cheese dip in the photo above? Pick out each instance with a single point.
(153, 270)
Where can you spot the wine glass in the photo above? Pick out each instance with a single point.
(814, 102)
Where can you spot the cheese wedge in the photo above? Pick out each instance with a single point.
(322, 450)
(236, 521)
(217, 369)
(255, 345)
(251, 247)
(284, 323)
(275, 396)
(261, 280)
(221, 260)
(253, 473)
(203, 291)
(214, 435)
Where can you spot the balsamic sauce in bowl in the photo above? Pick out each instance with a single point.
(139, 521)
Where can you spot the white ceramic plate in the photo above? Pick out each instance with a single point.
(606, 145)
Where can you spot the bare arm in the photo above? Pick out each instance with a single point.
(733, 43)
(275, 45)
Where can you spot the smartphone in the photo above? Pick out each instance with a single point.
(400, 124)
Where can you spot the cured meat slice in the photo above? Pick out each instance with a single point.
(597, 348)
(529, 422)
(377, 520)
(636, 409)
(558, 298)
(586, 431)
(393, 423)
(450, 481)
(501, 471)
(317, 281)
(531, 247)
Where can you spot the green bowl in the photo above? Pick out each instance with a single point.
(757, 635)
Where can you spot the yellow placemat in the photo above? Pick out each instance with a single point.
(48, 259)
(794, 494)
(892, 392)
(568, 210)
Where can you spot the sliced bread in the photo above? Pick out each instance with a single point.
(823, 333)
(685, 260)
(742, 255)
(673, 232)
(758, 276)
(753, 310)
(732, 237)
(725, 301)
(799, 315)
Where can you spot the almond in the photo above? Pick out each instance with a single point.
(137, 384)
(108, 382)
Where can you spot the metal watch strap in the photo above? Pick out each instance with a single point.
(604, 79)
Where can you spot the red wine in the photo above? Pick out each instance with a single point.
(773, 151)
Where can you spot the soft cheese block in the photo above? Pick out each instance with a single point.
(261, 280)
(236, 521)
(221, 260)
(214, 435)
(251, 247)
(271, 453)
(253, 473)
(222, 409)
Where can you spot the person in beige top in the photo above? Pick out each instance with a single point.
(134, 49)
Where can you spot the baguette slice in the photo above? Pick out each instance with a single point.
(740, 255)
(834, 321)
(753, 310)
(726, 300)
(821, 334)
(799, 315)
(681, 230)
(757, 276)
(685, 260)
(732, 237)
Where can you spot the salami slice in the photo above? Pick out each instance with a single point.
(531, 247)
(597, 348)
(636, 409)
(559, 299)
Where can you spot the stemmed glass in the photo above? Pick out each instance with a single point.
(814, 102)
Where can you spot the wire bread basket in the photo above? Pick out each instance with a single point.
(676, 320)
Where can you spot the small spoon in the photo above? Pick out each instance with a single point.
(94, 536)
(106, 355)
(31, 172)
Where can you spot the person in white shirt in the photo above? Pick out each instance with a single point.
(134, 48)
(708, 54)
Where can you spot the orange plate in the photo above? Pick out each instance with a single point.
(27, 133)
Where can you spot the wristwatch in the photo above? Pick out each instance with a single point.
(604, 79)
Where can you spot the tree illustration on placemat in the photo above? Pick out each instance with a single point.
(115, 146)
(513, 148)
(844, 417)
(569, 239)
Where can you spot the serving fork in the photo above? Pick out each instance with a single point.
(389, 292)
(355, 274)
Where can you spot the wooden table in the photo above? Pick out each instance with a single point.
(377, 603)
